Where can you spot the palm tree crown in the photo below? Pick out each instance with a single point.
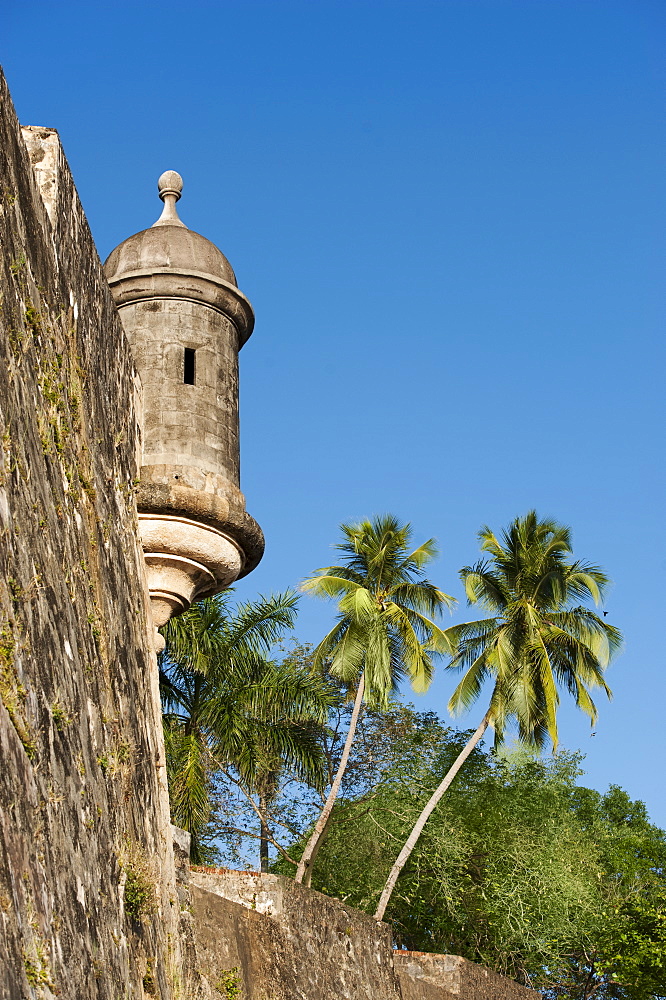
(539, 637)
(385, 628)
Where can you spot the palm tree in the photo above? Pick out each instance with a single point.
(283, 739)
(227, 705)
(384, 632)
(290, 744)
(538, 638)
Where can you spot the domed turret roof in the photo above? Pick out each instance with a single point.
(169, 245)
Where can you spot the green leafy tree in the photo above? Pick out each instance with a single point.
(385, 629)
(537, 639)
(289, 747)
(625, 953)
(228, 708)
(519, 869)
(297, 804)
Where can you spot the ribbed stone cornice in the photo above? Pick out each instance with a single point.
(193, 286)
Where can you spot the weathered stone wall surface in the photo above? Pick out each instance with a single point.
(288, 942)
(449, 977)
(88, 905)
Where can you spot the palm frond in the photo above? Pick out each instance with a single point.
(358, 604)
(537, 652)
(186, 755)
(379, 677)
(349, 654)
(585, 580)
(484, 587)
(326, 648)
(426, 631)
(344, 572)
(466, 631)
(424, 554)
(470, 686)
(257, 625)
(585, 703)
(422, 596)
(603, 639)
(413, 646)
(330, 585)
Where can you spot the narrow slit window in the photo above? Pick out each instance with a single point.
(189, 366)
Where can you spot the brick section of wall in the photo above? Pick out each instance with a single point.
(88, 905)
(448, 977)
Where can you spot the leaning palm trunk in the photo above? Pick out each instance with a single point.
(421, 821)
(307, 880)
(312, 846)
(265, 834)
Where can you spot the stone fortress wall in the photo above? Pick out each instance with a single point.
(287, 942)
(88, 903)
(91, 903)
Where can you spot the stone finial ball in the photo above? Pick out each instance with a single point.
(170, 183)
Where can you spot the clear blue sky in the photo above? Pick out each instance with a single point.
(449, 218)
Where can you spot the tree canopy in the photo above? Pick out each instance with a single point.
(230, 709)
(520, 869)
(539, 638)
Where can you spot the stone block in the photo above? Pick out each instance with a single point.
(424, 976)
